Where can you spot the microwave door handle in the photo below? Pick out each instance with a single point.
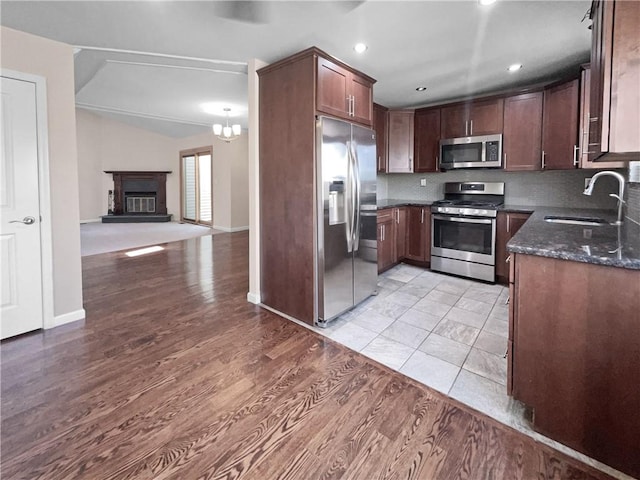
(484, 221)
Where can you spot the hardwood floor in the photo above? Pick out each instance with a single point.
(173, 375)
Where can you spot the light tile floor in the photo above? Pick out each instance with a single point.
(446, 332)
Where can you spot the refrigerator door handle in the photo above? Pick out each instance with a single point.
(349, 201)
(356, 213)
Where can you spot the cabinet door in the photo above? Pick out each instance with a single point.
(583, 130)
(361, 91)
(332, 90)
(560, 127)
(386, 248)
(380, 126)
(522, 137)
(426, 140)
(600, 77)
(418, 233)
(400, 233)
(400, 148)
(614, 118)
(486, 117)
(507, 225)
(454, 122)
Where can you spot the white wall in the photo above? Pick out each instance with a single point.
(27, 53)
(253, 89)
(105, 144)
(230, 178)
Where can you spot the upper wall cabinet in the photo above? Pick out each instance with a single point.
(482, 117)
(344, 93)
(380, 126)
(426, 140)
(614, 116)
(400, 148)
(522, 136)
(560, 127)
(583, 131)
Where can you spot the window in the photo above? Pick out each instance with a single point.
(196, 186)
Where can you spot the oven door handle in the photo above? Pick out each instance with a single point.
(486, 221)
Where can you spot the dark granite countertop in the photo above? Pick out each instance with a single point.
(516, 208)
(395, 202)
(603, 245)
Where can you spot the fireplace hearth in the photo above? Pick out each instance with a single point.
(138, 196)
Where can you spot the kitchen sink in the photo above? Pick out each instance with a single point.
(589, 221)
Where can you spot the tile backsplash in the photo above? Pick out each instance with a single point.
(549, 189)
(633, 202)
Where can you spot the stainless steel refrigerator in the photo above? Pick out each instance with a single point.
(347, 260)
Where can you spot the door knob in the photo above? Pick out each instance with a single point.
(25, 220)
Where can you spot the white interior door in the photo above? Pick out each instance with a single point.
(20, 248)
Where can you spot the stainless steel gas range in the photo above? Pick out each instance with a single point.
(463, 229)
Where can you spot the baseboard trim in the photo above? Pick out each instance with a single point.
(91, 220)
(68, 318)
(253, 298)
(231, 229)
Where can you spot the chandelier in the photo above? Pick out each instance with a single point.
(227, 132)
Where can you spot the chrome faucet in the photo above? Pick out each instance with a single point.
(619, 196)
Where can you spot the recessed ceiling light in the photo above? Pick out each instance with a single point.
(360, 47)
(421, 89)
(486, 2)
(515, 67)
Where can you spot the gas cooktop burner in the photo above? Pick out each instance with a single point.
(467, 203)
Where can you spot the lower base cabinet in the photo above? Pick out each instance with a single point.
(574, 355)
(418, 234)
(386, 240)
(404, 233)
(507, 225)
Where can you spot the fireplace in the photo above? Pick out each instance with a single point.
(139, 196)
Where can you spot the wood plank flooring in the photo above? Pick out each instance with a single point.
(173, 375)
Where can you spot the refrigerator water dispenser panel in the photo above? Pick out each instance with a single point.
(336, 203)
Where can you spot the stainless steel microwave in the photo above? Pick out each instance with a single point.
(471, 152)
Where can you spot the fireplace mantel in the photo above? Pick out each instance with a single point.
(152, 182)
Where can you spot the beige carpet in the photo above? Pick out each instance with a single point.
(98, 237)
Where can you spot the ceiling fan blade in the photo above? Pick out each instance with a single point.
(348, 5)
(246, 11)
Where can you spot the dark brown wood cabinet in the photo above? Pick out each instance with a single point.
(576, 355)
(400, 232)
(404, 233)
(426, 140)
(522, 136)
(614, 104)
(292, 92)
(343, 92)
(380, 126)
(560, 126)
(386, 239)
(400, 141)
(481, 117)
(507, 225)
(418, 233)
(583, 130)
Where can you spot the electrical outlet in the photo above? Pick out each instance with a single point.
(587, 181)
(423, 182)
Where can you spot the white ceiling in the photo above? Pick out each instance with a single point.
(454, 48)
